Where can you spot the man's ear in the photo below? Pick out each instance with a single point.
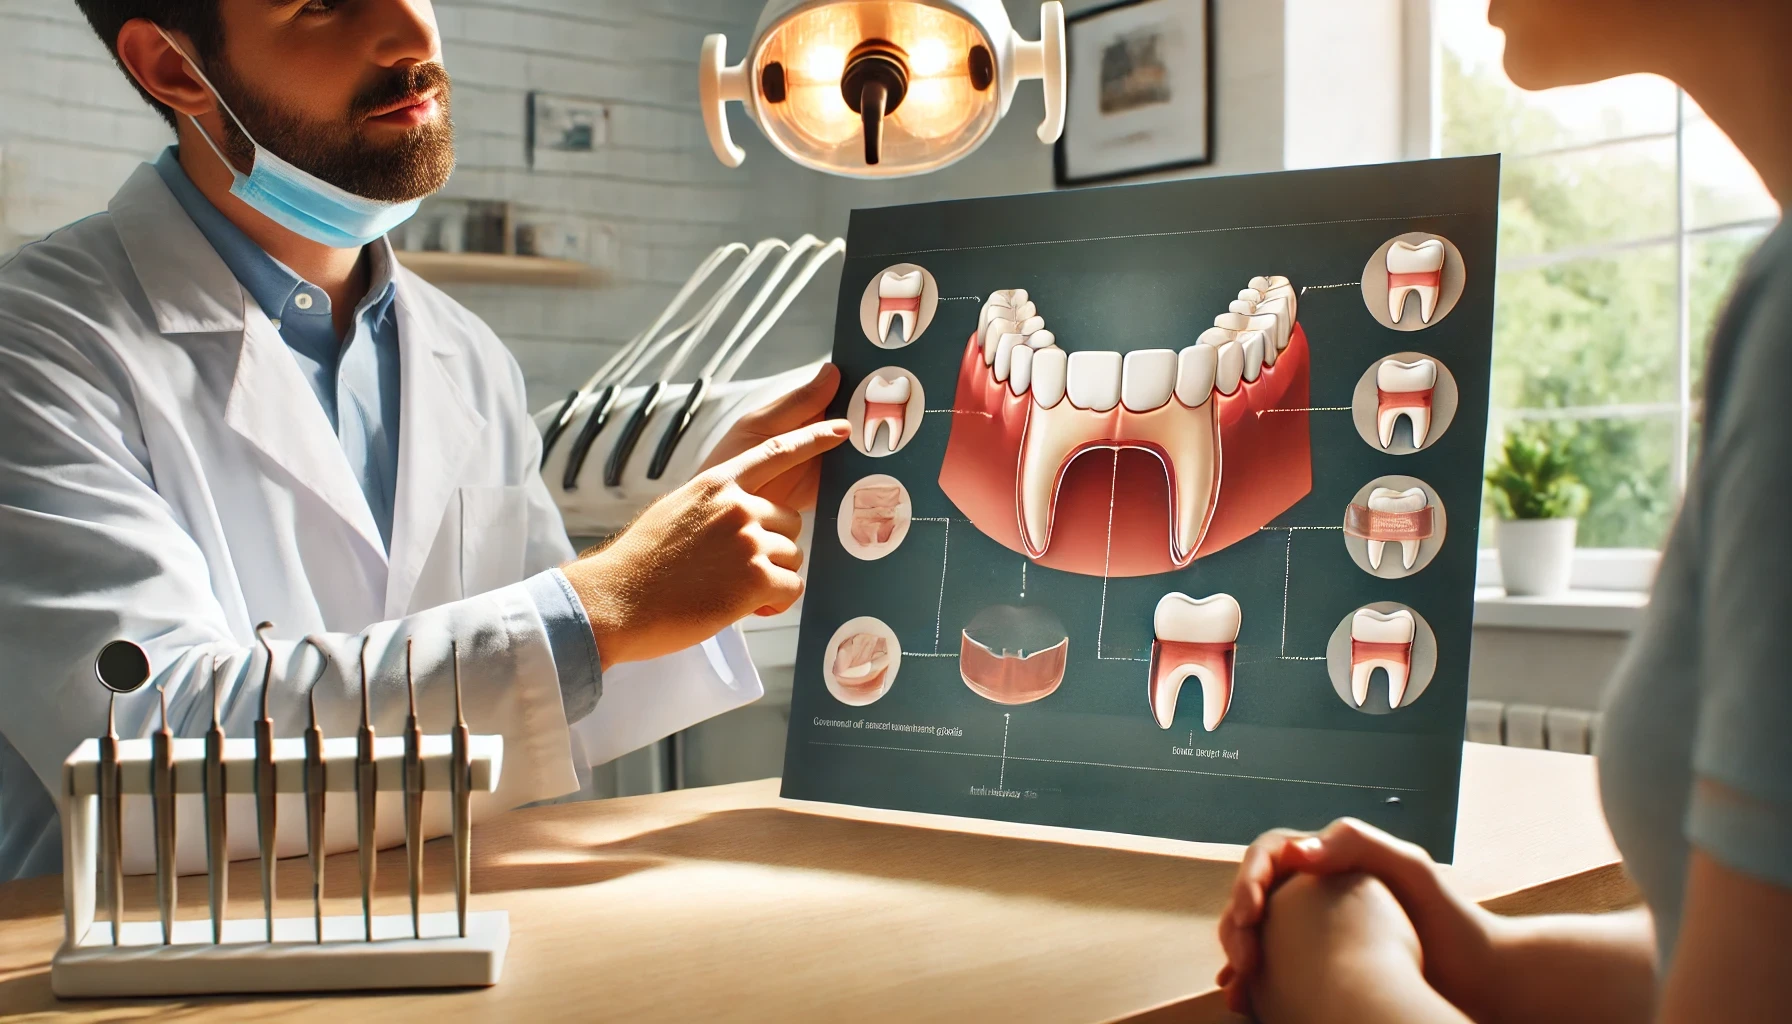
(160, 69)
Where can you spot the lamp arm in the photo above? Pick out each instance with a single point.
(1045, 61)
(717, 83)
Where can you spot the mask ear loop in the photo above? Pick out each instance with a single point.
(194, 65)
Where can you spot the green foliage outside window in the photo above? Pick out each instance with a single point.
(1533, 477)
(1599, 329)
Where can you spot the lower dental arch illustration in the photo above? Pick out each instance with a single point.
(1225, 420)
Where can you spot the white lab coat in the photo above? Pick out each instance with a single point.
(167, 475)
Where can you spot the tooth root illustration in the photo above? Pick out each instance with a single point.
(1380, 641)
(1391, 516)
(1013, 654)
(886, 404)
(1198, 639)
(1027, 409)
(1404, 389)
(1415, 269)
(874, 513)
(898, 305)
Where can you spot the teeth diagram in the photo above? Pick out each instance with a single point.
(1404, 389)
(1415, 270)
(1194, 639)
(886, 406)
(1381, 641)
(1189, 462)
(1391, 516)
(861, 661)
(898, 306)
(1013, 654)
(874, 514)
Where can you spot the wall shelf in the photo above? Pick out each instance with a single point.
(497, 268)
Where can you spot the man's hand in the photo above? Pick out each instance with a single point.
(796, 488)
(709, 553)
(1457, 936)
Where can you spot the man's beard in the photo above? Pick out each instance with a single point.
(410, 167)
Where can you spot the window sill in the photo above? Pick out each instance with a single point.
(1581, 611)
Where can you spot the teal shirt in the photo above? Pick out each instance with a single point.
(1696, 747)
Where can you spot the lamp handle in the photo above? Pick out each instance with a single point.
(1045, 61)
(717, 83)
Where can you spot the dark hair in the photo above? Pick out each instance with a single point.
(199, 19)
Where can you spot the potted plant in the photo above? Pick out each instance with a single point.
(1539, 499)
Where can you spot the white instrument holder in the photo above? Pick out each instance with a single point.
(89, 965)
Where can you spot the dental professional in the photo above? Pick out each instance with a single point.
(1695, 753)
(223, 401)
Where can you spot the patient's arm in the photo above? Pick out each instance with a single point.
(1733, 961)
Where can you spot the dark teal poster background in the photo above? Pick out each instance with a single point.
(1122, 269)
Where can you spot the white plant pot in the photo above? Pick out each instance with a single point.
(1536, 555)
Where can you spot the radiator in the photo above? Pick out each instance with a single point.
(1532, 725)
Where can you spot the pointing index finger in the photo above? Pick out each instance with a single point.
(766, 461)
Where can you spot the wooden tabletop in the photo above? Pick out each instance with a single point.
(730, 903)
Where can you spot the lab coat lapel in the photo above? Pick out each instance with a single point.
(270, 403)
(438, 429)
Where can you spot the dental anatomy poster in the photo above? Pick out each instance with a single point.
(1160, 510)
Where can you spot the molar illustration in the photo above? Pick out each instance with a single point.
(886, 404)
(1391, 516)
(1027, 410)
(1415, 270)
(898, 305)
(1194, 639)
(1381, 641)
(1404, 389)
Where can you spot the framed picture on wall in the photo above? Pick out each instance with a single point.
(1141, 90)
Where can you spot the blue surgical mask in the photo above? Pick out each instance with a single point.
(296, 199)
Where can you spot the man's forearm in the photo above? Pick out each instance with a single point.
(1580, 967)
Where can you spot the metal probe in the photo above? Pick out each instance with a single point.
(161, 795)
(217, 847)
(121, 667)
(461, 783)
(413, 796)
(266, 788)
(315, 784)
(366, 798)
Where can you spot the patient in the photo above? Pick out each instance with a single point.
(1350, 924)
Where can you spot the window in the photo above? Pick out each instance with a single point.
(1624, 216)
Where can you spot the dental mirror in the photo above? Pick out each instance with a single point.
(121, 666)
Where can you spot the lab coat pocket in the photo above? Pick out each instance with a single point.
(494, 537)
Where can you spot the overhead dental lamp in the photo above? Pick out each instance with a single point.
(881, 88)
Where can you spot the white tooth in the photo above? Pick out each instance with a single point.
(1195, 370)
(1277, 281)
(1020, 370)
(900, 286)
(1042, 339)
(1185, 436)
(1394, 375)
(1242, 306)
(1251, 295)
(1210, 620)
(1371, 626)
(1397, 377)
(1005, 353)
(992, 312)
(992, 333)
(1265, 322)
(1093, 380)
(1050, 366)
(1023, 310)
(1215, 336)
(1260, 284)
(1231, 368)
(1278, 308)
(1001, 296)
(887, 391)
(1386, 499)
(1403, 258)
(1031, 325)
(1180, 618)
(1148, 378)
(1254, 345)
